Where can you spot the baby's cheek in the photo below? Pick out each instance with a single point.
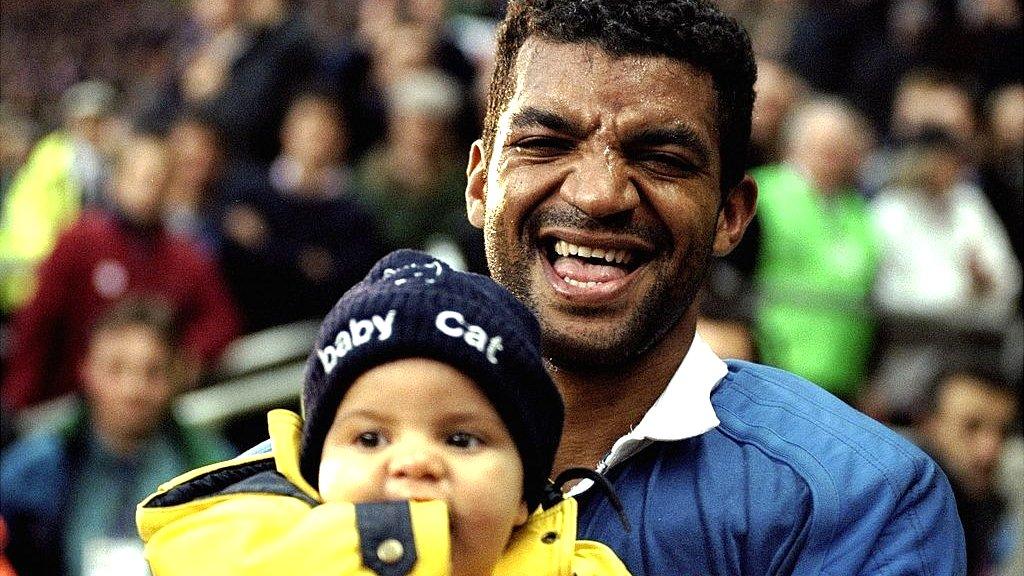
(485, 518)
(480, 538)
(342, 481)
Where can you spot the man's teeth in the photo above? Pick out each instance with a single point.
(579, 284)
(563, 248)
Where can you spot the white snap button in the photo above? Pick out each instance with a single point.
(390, 551)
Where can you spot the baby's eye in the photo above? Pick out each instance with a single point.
(370, 439)
(464, 440)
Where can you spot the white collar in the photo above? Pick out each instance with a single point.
(682, 411)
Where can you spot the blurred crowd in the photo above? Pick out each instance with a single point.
(193, 171)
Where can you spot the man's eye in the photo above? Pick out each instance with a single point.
(668, 164)
(464, 440)
(370, 439)
(543, 145)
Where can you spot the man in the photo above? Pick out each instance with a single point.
(68, 495)
(969, 414)
(949, 280)
(66, 171)
(819, 251)
(294, 233)
(609, 172)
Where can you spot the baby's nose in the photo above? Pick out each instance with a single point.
(416, 463)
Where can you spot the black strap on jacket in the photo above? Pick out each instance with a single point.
(553, 491)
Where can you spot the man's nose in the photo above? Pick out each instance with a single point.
(601, 184)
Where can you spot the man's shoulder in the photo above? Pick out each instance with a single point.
(792, 480)
(91, 224)
(867, 484)
(805, 427)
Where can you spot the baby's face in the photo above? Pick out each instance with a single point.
(418, 429)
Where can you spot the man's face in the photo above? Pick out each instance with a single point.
(418, 429)
(127, 379)
(142, 180)
(313, 133)
(599, 200)
(968, 430)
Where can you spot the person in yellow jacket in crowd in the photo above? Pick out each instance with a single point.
(66, 170)
(429, 434)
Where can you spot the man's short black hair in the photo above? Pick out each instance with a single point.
(692, 31)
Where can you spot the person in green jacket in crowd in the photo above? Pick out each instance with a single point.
(819, 251)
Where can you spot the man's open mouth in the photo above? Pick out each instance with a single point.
(591, 264)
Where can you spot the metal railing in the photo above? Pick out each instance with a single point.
(256, 372)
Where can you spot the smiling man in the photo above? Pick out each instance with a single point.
(608, 175)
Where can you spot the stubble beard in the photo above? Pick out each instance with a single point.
(588, 351)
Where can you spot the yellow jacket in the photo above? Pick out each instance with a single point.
(43, 199)
(256, 515)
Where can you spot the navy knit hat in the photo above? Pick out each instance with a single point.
(412, 305)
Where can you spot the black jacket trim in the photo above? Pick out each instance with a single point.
(259, 477)
(379, 522)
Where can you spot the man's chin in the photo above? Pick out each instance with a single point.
(589, 353)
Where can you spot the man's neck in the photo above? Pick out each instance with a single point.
(602, 407)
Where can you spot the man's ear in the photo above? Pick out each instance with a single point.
(476, 184)
(737, 211)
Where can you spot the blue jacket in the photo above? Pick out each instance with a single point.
(793, 481)
(39, 475)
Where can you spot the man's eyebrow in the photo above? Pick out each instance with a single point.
(679, 135)
(531, 116)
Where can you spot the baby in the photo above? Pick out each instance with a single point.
(429, 434)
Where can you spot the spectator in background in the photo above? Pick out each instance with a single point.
(387, 40)
(860, 49)
(1003, 170)
(969, 412)
(948, 277)
(195, 199)
(924, 98)
(104, 257)
(279, 55)
(69, 495)
(47, 46)
(65, 171)
(995, 30)
(819, 252)
(779, 91)
(728, 298)
(17, 138)
(415, 181)
(295, 236)
(406, 36)
(208, 48)
(241, 70)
